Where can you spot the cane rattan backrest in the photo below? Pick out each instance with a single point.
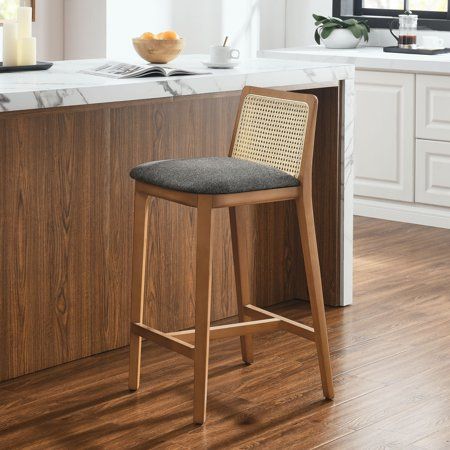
(272, 131)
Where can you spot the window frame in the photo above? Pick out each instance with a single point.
(382, 18)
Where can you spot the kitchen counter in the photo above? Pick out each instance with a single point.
(64, 85)
(402, 145)
(366, 58)
(67, 143)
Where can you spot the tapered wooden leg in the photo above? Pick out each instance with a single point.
(314, 281)
(141, 202)
(202, 306)
(241, 275)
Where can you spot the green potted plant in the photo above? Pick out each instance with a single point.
(338, 33)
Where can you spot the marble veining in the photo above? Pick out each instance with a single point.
(4, 100)
(64, 85)
(347, 176)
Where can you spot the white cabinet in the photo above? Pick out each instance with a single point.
(433, 172)
(384, 135)
(433, 107)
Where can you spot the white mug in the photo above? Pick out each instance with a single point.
(223, 55)
(432, 42)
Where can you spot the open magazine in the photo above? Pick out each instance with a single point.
(122, 70)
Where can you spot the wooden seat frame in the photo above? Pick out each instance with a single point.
(195, 343)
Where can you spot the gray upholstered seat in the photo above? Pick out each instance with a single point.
(212, 175)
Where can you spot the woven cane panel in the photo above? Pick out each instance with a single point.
(272, 131)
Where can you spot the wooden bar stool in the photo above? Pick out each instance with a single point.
(270, 161)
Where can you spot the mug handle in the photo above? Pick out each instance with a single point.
(391, 25)
(235, 53)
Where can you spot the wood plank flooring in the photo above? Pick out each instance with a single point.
(390, 355)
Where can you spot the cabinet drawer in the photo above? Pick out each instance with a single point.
(433, 172)
(433, 107)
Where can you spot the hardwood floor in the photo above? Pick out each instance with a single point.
(390, 355)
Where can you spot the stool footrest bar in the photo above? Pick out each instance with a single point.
(164, 339)
(286, 324)
(233, 329)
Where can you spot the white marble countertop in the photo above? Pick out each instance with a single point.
(369, 58)
(63, 85)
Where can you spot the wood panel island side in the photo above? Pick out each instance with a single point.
(67, 144)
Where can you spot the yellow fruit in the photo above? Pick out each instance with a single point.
(169, 34)
(147, 35)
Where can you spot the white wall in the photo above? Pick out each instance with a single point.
(84, 29)
(187, 18)
(251, 24)
(300, 23)
(76, 29)
(48, 29)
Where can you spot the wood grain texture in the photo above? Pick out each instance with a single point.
(138, 264)
(390, 355)
(241, 277)
(66, 225)
(54, 234)
(203, 283)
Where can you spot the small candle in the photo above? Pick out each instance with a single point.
(24, 17)
(10, 43)
(27, 51)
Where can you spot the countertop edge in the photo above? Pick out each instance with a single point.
(35, 99)
(364, 62)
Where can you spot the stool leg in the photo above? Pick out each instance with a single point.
(202, 306)
(141, 202)
(314, 281)
(241, 275)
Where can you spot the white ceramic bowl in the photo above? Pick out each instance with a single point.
(341, 38)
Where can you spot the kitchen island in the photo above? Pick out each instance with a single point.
(67, 143)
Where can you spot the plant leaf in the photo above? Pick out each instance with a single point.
(336, 20)
(317, 36)
(326, 32)
(365, 34)
(325, 26)
(356, 31)
(319, 18)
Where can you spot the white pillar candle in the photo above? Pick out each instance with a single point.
(24, 18)
(10, 43)
(27, 51)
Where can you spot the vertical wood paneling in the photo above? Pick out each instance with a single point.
(54, 232)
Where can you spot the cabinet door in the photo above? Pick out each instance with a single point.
(384, 135)
(433, 172)
(433, 107)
